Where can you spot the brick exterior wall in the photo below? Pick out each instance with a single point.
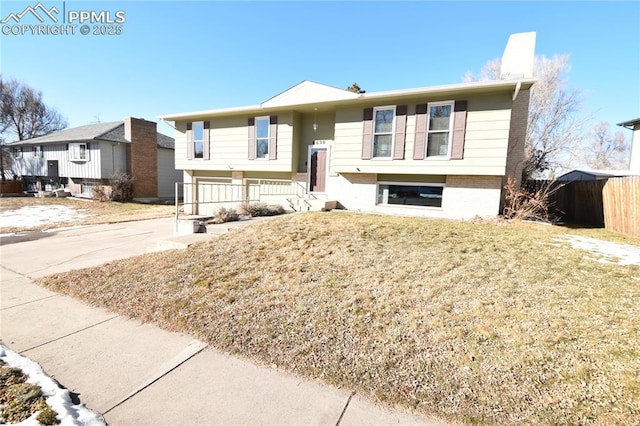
(517, 137)
(299, 177)
(142, 156)
(467, 196)
(355, 191)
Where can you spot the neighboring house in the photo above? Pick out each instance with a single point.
(634, 161)
(443, 151)
(586, 174)
(82, 157)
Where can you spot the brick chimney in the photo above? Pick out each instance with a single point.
(143, 156)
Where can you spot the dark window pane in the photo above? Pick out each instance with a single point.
(262, 148)
(384, 121)
(382, 146)
(410, 195)
(439, 117)
(198, 148)
(438, 144)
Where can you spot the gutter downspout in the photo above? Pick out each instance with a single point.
(167, 123)
(516, 91)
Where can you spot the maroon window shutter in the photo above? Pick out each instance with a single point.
(420, 142)
(207, 139)
(251, 123)
(273, 137)
(401, 125)
(367, 133)
(190, 154)
(459, 127)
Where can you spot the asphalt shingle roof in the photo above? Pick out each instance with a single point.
(112, 132)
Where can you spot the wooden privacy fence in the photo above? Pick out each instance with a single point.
(11, 187)
(621, 204)
(580, 202)
(577, 202)
(612, 203)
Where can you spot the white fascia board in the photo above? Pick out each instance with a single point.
(432, 90)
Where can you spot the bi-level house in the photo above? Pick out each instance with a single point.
(80, 158)
(443, 151)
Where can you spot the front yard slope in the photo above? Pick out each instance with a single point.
(466, 322)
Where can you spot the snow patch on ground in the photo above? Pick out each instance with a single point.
(39, 215)
(608, 252)
(57, 398)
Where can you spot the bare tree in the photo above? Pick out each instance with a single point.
(24, 115)
(554, 127)
(490, 71)
(604, 150)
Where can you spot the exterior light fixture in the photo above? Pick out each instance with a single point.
(315, 123)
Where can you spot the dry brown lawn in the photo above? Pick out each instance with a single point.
(95, 211)
(469, 323)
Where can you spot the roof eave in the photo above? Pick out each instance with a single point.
(451, 89)
(629, 124)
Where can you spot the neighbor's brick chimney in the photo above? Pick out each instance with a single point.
(143, 156)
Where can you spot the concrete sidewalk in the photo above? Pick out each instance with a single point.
(136, 373)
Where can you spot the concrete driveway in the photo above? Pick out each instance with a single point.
(136, 373)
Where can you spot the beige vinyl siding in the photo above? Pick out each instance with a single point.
(229, 146)
(325, 131)
(296, 150)
(485, 151)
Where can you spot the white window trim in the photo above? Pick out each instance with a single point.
(442, 185)
(17, 152)
(38, 151)
(427, 131)
(393, 132)
(78, 145)
(194, 141)
(268, 118)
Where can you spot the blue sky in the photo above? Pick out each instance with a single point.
(185, 56)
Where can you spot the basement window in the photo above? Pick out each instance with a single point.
(407, 194)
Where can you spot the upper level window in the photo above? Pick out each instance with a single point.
(37, 151)
(383, 132)
(17, 152)
(198, 139)
(439, 129)
(78, 152)
(262, 137)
